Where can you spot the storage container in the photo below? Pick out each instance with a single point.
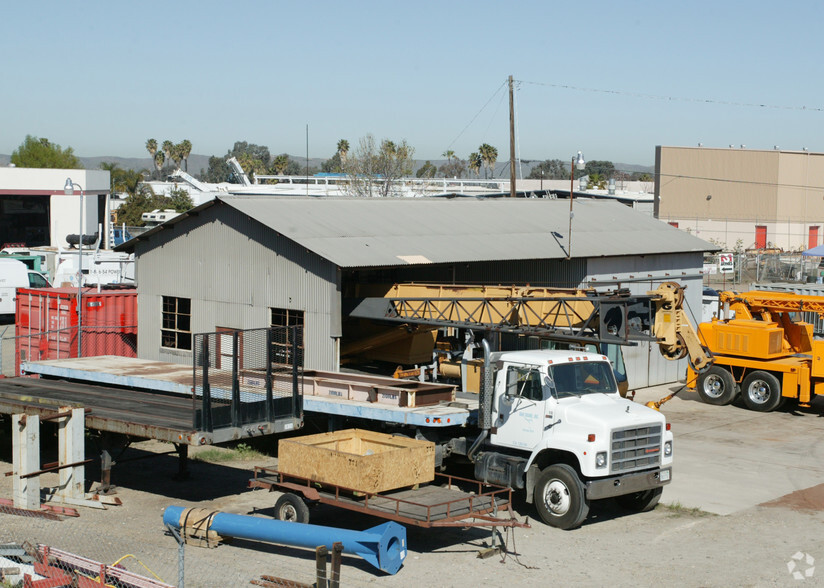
(46, 321)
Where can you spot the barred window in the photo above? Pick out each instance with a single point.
(282, 317)
(176, 323)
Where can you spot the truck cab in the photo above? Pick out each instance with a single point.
(560, 429)
(15, 274)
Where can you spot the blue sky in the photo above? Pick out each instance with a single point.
(612, 79)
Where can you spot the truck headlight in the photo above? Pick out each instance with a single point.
(601, 459)
(668, 448)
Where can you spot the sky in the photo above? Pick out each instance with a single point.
(611, 79)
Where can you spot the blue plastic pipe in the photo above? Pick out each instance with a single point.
(383, 546)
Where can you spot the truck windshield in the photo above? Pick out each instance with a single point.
(583, 377)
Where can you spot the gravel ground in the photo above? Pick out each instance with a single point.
(670, 544)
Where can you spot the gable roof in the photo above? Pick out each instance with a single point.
(358, 232)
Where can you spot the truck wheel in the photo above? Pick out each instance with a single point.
(291, 507)
(761, 391)
(716, 386)
(560, 497)
(640, 501)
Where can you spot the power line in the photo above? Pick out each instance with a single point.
(674, 98)
(477, 115)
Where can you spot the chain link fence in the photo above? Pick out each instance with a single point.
(740, 270)
(247, 376)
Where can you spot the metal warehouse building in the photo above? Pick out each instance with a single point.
(242, 262)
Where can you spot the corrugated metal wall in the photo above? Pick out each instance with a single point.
(234, 270)
(645, 364)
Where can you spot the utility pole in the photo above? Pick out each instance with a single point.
(512, 190)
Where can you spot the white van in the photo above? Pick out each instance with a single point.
(14, 274)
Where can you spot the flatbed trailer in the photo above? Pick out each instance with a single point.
(449, 501)
(175, 379)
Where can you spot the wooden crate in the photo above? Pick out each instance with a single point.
(358, 459)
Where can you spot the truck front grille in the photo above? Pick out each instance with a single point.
(635, 449)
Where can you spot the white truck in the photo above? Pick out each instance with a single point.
(15, 274)
(549, 422)
(553, 422)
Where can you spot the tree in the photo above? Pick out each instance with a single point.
(475, 162)
(551, 169)
(36, 152)
(145, 200)
(178, 199)
(373, 169)
(604, 168)
(218, 171)
(159, 160)
(134, 206)
(185, 150)
(427, 170)
(293, 168)
(343, 151)
(151, 147)
(332, 165)
(489, 155)
(254, 159)
(596, 181)
(279, 164)
(449, 154)
(167, 148)
(123, 180)
(454, 168)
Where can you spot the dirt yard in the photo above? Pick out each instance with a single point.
(672, 544)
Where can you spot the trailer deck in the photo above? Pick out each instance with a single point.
(136, 413)
(448, 502)
(157, 376)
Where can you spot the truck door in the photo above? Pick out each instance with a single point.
(519, 408)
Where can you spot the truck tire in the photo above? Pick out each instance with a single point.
(291, 507)
(560, 497)
(716, 386)
(640, 501)
(761, 391)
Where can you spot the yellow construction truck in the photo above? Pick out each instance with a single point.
(762, 350)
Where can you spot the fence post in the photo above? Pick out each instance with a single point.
(297, 404)
(207, 391)
(236, 419)
(270, 405)
(180, 561)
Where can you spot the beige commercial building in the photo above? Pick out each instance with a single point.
(742, 199)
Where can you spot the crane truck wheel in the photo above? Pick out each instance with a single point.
(560, 497)
(716, 386)
(640, 501)
(291, 507)
(761, 391)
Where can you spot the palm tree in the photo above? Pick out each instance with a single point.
(159, 160)
(449, 154)
(151, 147)
(343, 150)
(176, 153)
(167, 148)
(280, 163)
(185, 150)
(475, 162)
(489, 155)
